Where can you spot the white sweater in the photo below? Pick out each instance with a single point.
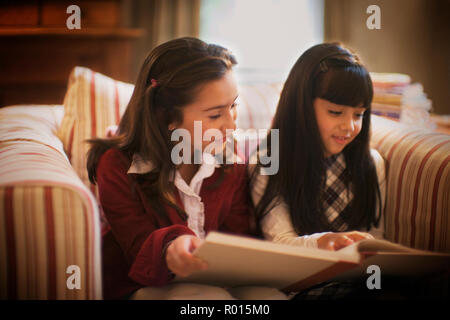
(277, 226)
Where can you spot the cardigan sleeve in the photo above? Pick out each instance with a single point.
(134, 229)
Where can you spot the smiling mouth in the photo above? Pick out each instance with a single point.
(341, 139)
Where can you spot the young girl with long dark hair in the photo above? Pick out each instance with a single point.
(159, 210)
(330, 184)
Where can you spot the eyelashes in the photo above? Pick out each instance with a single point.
(217, 116)
(338, 113)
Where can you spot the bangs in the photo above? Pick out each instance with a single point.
(347, 85)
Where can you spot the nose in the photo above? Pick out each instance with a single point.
(348, 124)
(229, 120)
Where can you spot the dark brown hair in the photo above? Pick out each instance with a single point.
(169, 79)
(330, 72)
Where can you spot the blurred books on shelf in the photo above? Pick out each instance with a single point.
(397, 98)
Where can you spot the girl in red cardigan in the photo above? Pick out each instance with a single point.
(158, 211)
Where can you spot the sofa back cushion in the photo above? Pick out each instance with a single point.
(257, 104)
(92, 103)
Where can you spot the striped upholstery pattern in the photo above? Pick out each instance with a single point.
(257, 104)
(418, 184)
(32, 122)
(48, 221)
(92, 103)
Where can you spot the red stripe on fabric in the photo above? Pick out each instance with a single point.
(382, 139)
(399, 188)
(116, 103)
(30, 168)
(36, 266)
(89, 261)
(93, 117)
(396, 145)
(434, 203)
(31, 154)
(50, 243)
(7, 149)
(11, 244)
(326, 274)
(69, 147)
(89, 244)
(416, 192)
(27, 140)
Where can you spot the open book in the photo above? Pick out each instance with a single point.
(237, 260)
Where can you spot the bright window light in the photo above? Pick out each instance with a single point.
(267, 36)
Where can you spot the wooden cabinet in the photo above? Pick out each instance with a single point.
(38, 51)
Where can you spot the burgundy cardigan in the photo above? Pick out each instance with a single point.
(133, 242)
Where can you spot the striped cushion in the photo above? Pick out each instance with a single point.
(92, 103)
(418, 184)
(257, 104)
(48, 221)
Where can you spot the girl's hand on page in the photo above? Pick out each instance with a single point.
(180, 259)
(338, 240)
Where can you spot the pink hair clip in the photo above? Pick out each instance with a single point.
(154, 83)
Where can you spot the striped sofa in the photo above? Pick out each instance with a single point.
(50, 219)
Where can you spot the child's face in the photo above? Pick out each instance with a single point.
(214, 106)
(338, 124)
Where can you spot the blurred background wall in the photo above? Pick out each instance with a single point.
(267, 36)
(162, 20)
(413, 39)
(37, 51)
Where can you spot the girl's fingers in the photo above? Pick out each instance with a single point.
(195, 243)
(330, 245)
(336, 241)
(188, 258)
(191, 262)
(179, 258)
(357, 236)
(342, 242)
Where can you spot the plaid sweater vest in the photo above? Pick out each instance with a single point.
(338, 192)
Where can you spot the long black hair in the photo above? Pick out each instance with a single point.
(169, 79)
(333, 73)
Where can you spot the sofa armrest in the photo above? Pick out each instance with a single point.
(49, 221)
(417, 184)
